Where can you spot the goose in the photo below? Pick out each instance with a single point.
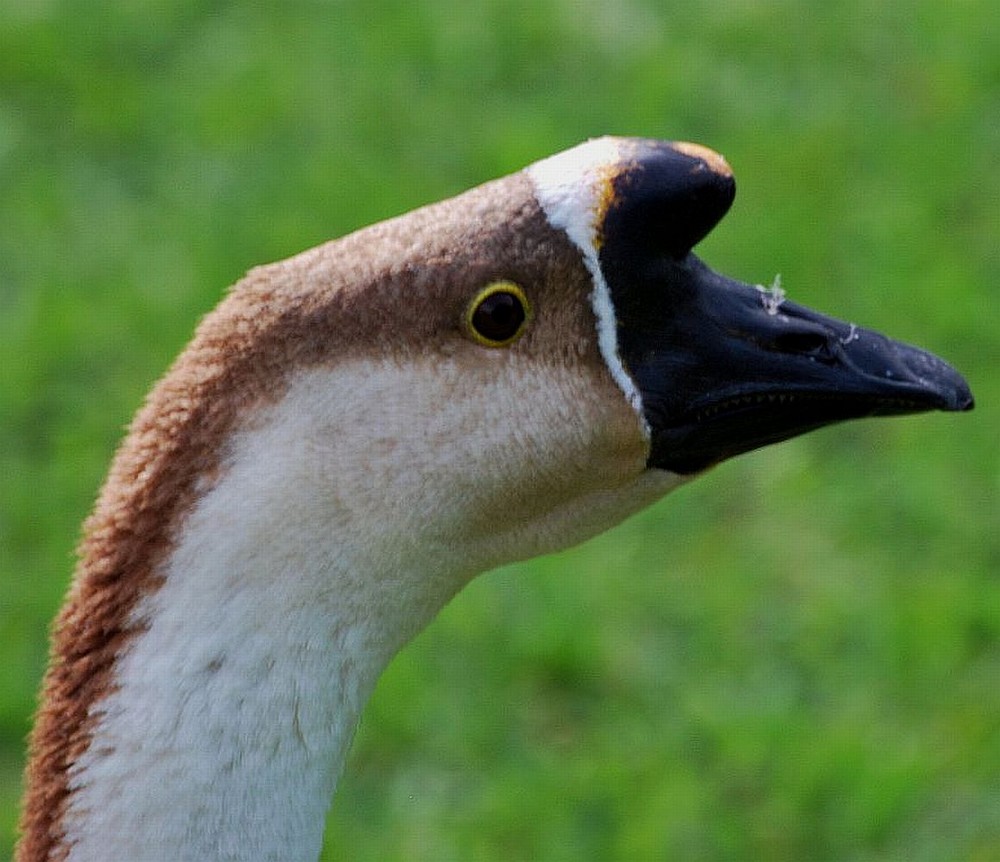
(356, 432)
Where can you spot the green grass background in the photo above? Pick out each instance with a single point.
(797, 657)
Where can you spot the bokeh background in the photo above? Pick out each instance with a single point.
(797, 657)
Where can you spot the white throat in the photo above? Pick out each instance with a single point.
(293, 582)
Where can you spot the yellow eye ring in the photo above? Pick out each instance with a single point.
(499, 314)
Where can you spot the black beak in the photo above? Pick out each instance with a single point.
(725, 367)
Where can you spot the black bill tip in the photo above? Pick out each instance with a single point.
(941, 386)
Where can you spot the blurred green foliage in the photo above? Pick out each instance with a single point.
(798, 656)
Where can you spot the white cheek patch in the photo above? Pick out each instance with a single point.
(572, 188)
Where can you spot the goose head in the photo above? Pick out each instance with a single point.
(358, 430)
(534, 360)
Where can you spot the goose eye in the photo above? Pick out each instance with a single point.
(499, 314)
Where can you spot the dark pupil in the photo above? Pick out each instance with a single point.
(499, 316)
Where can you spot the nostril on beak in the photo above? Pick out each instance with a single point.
(803, 343)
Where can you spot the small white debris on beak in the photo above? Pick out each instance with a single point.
(772, 296)
(851, 336)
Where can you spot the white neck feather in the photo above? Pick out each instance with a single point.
(293, 582)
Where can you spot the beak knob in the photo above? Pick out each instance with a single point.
(667, 196)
